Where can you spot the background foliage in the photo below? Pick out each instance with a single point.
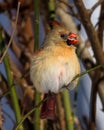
(16, 89)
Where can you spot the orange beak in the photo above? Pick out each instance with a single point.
(72, 38)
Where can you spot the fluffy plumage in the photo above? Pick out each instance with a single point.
(54, 65)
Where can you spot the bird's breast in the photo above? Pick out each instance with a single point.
(53, 68)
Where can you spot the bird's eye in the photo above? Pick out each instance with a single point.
(64, 36)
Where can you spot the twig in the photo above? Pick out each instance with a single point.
(31, 111)
(95, 6)
(100, 24)
(90, 30)
(83, 73)
(12, 88)
(5, 52)
(87, 71)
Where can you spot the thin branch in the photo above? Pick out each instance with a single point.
(87, 71)
(38, 105)
(31, 111)
(83, 73)
(100, 24)
(96, 46)
(5, 52)
(95, 6)
(90, 30)
(12, 88)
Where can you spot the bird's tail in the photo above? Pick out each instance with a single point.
(48, 107)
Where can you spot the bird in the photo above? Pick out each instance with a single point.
(53, 67)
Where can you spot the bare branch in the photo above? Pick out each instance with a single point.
(5, 52)
(97, 49)
(95, 6)
(91, 32)
(101, 24)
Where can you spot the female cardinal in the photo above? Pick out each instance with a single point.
(54, 66)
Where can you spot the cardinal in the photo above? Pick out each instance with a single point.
(54, 66)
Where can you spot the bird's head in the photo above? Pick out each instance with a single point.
(59, 34)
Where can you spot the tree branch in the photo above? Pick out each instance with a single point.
(98, 53)
(101, 24)
(5, 52)
(92, 34)
(95, 6)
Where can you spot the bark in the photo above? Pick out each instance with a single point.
(90, 30)
(101, 24)
(98, 53)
